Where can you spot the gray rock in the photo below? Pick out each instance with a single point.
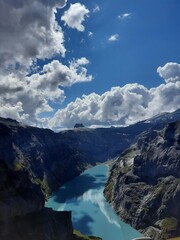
(144, 183)
(34, 162)
(45, 224)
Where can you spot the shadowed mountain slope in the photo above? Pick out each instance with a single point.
(34, 162)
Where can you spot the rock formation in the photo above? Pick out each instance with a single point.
(144, 183)
(34, 162)
(78, 125)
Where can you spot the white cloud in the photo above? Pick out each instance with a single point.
(29, 32)
(75, 16)
(124, 16)
(113, 38)
(90, 34)
(165, 98)
(82, 41)
(12, 111)
(80, 62)
(170, 72)
(96, 9)
(121, 105)
(28, 96)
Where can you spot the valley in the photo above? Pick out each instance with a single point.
(35, 162)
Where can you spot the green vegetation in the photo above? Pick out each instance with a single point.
(79, 236)
(80, 167)
(128, 153)
(169, 224)
(17, 166)
(124, 164)
(44, 186)
(109, 188)
(125, 169)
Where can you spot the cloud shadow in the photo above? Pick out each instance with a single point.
(82, 224)
(77, 187)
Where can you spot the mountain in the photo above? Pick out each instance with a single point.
(164, 117)
(144, 183)
(157, 121)
(34, 162)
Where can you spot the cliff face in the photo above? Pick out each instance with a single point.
(34, 162)
(144, 183)
(44, 224)
(48, 159)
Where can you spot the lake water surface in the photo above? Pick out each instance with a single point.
(91, 214)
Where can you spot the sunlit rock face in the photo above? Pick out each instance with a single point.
(34, 162)
(144, 183)
(49, 159)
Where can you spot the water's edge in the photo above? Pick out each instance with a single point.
(91, 213)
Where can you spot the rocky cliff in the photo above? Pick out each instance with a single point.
(47, 159)
(144, 183)
(34, 162)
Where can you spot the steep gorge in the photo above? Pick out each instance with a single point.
(34, 162)
(144, 183)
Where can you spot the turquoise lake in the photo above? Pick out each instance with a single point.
(91, 214)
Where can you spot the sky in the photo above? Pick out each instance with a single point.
(100, 63)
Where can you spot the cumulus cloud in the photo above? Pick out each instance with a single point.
(12, 111)
(170, 72)
(113, 38)
(165, 98)
(121, 105)
(29, 31)
(56, 74)
(124, 16)
(75, 16)
(31, 94)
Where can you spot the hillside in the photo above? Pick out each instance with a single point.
(144, 183)
(34, 162)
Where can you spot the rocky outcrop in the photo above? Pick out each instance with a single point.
(79, 236)
(34, 162)
(18, 195)
(46, 157)
(45, 224)
(78, 125)
(144, 183)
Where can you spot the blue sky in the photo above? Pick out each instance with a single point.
(97, 62)
(149, 38)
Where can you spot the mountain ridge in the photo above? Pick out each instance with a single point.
(144, 183)
(34, 162)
